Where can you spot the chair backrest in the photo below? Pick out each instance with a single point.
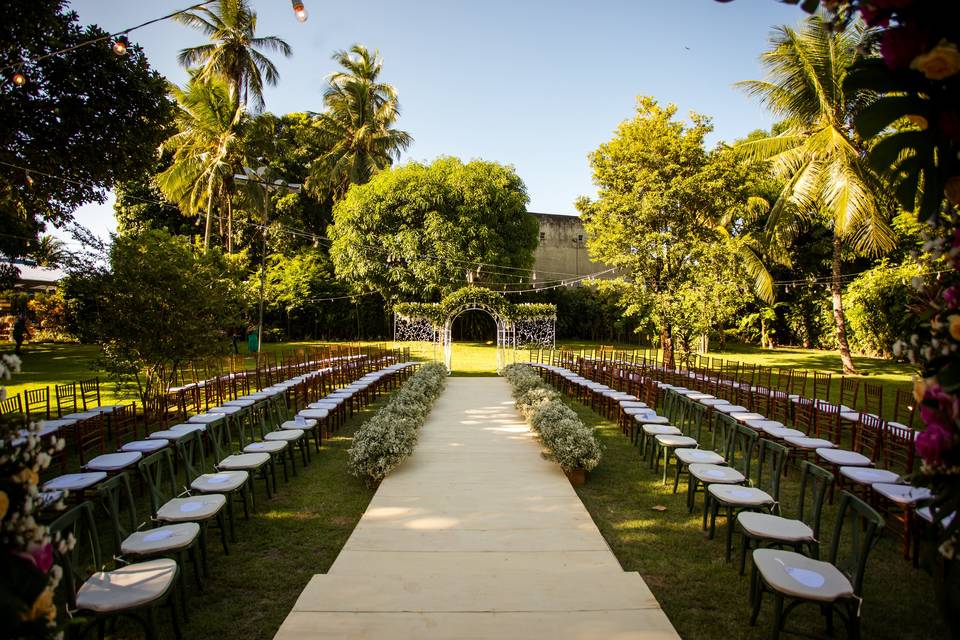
(868, 436)
(849, 390)
(770, 462)
(123, 423)
(905, 408)
(36, 403)
(696, 418)
(89, 438)
(66, 398)
(815, 483)
(191, 457)
(723, 429)
(864, 528)
(744, 444)
(157, 471)
(821, 385)
(85, 553)
(827, 420)
(90, 393)
(784, 379)
(804, 416)
(873, 398)
(900, 449)
(798, 382)
(12, 407)
(218, 435)
(116, 497)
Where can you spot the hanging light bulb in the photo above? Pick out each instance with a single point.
(19, 79)
(120, 46)
(29, 179)
(299, 10)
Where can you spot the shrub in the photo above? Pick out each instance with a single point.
(390, 436)
(572, 444)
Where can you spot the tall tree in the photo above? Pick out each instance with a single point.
(205, 151)
(661, 196)
(235, 51)
(358, 122)
(817, 153)
(49, 251)
(81, 121)
(417, 229)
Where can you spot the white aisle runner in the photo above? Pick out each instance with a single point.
(476, 536)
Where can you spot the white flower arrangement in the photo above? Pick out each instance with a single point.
(572, 444)
(390, 436)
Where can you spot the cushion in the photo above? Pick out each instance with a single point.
(286, 435)
(710, 473)
(770, 527)
(221, 482)
(669, 440)
(661, 430)
(144, 446)
(75, 481)
(270, 446)
(798, 576)
(244, 461)
(171, 537)
(701, 456)
(192, 509)
(869, 475)
(114, 461)
(842, 457)
(804, 442)
(132, 586)
(737, 495)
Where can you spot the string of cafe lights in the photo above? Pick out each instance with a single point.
(119, 40)
(380, 251)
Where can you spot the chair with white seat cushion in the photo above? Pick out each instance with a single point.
(767, 529)
(231, 484)
(834, 585)
(137, 540)
(135, 590)
(171, 507)
(228, 459)
(740, 443)
(761, 496)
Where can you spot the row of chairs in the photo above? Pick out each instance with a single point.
(739, 474)
(190, 490)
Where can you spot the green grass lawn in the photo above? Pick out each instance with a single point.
(703, 596)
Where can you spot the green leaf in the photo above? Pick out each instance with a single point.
(882, 113)
(872, 74)
(884, 153)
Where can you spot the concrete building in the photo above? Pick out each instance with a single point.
(562, 252)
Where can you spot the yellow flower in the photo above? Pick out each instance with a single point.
(939, 63)
(42, 606)
(27, 476)
(920, 121)
(954, 321)
(4, 504)
(952, 189)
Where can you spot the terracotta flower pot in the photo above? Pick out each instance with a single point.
(577, 477)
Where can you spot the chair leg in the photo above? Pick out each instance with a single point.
(777, 615)
(730, 525)
(221, 520)
(744, 547)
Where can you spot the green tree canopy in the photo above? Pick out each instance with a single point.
(163, 303)
(414, 231)
(661, 196)
(82, 121)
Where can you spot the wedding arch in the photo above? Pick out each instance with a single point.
(518, 325)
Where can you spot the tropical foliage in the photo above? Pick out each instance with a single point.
(422, 231)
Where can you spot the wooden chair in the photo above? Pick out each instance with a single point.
(904, 409)
(873, 399)
(821, 386)
(36, 403)
(66, 398)
(849, 390)
(899, 456)
(12, 408)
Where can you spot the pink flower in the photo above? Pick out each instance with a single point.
(40, 555)
(933, 442)
(900, 45)
(952, 296)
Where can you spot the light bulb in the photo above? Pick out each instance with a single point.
(120, 47)
(19, 79)
(299, 10)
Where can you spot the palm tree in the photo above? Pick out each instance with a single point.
(49, 252)
(205, 151)
(817, 152)
(357, 124)
(234, 52)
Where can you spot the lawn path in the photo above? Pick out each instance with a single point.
(476, 536)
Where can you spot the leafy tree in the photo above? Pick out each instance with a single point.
(661, 196)
(164, 303)
(140, 205)
(358, 122)
(49, 251)
(206, 150)
(818, 155)
(234, 54)
(878, 303)
(415, 230)
(88, 116)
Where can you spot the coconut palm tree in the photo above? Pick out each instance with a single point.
(358, 122)
(234, 53)
(49, 251)
(817, 152)
(205, 151)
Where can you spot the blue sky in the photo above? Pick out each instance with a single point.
(536, 84)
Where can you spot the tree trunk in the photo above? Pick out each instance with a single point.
(229, 224)
(206, 233)
(838, 317)
(666, 346)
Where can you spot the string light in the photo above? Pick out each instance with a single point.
(120, 46)
(19, 79)
(299, 10)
